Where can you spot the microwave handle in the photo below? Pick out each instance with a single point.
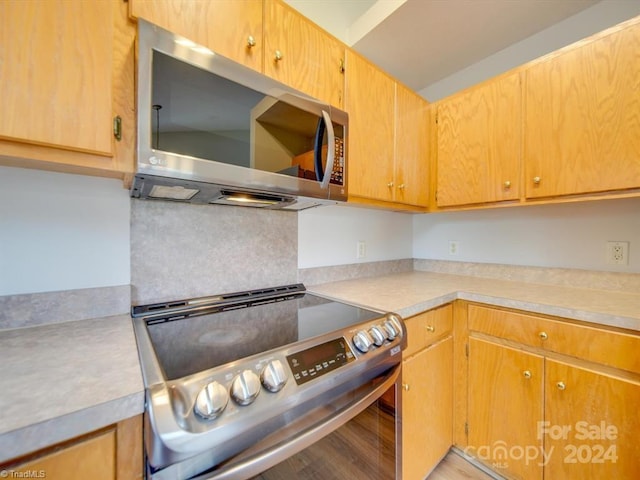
(322, 176)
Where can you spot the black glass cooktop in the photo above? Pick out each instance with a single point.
(185, 345)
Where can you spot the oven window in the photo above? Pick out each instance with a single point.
(361, 449)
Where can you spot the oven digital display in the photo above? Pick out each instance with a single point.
(320, 359)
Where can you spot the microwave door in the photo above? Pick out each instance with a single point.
(324, 176)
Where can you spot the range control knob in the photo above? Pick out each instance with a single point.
(391, 328)
(393, 322)
(377, 335)
(362, 341)
(274, 376)
(211, 401)
(245, 388)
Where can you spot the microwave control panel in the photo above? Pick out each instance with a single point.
(337, 173)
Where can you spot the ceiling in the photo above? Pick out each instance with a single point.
(423, 41)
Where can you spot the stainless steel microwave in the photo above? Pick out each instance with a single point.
(213, 131)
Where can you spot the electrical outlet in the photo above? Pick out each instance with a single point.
(618, 253)
(361, 249)
(454, 247)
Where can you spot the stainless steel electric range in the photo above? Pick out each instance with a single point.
(237, 383)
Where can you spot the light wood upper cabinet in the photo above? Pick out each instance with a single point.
(582, 118)
(56, 73)
(478, 154)
(370, 100)
(388, 137)
(411, 184)
(232, 28)
(66, 72)
(300, 54)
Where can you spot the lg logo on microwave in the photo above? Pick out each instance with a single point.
(157, 161)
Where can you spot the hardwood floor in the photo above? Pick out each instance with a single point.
(363, 449)
(454, 467)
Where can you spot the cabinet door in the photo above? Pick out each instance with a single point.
(300, 54)
(232, 28)
(427, 405)
(582, 118)
(369, 100)
(115, 452)
(411, 148)
(93, 458)
(479, 144)
(56, 73)
(592, 424)
(505, 407)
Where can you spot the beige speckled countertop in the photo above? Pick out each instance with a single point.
(414, 292)
(66, 379)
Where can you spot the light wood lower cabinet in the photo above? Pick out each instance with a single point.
(113, 453)
(592, 425)
(505, 406)
(427, 397)
(558, 410)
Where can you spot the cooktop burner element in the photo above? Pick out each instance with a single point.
(224, 370)
(187, 344)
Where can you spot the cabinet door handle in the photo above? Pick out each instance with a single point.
(543, 335)
(390, 184)
(117, 127)
(527, 374)
(537, 180)
(277, 56)
(431, 328)
(405, 387)
(251, 42)
(401, 186)
(561, 386)
(507, 184)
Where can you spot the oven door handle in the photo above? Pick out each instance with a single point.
(270, 457)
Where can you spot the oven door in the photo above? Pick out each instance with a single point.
(356, 436)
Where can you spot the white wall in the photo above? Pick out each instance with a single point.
(594, 19)
(61, 232)
(571, 235)
(329, 236)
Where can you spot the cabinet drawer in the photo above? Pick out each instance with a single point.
(598, 345)
(424, 329)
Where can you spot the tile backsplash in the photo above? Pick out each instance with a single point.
(183, 250)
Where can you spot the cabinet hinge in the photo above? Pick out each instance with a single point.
(466, 428)
(466, 350)
(436, 118)
(436, 195)
(117, 127)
